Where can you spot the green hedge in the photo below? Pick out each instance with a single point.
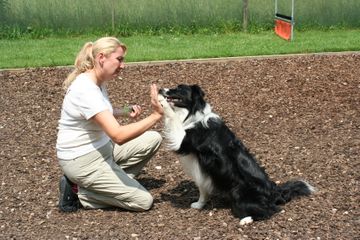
(38, 18)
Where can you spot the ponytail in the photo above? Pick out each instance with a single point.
(85, 60)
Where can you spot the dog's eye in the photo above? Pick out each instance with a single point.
(181, 87)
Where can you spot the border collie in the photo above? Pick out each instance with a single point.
(216, 159)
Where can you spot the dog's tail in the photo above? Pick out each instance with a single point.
(293, 189)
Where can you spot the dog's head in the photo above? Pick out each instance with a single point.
(189, 97)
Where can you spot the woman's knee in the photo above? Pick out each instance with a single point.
(147, 203)
(154, 137)
(141, 202)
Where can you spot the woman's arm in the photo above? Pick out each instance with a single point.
(121, 134)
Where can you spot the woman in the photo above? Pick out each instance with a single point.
(95, 152)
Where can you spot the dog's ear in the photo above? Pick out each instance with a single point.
(197, 91)
(197, 98)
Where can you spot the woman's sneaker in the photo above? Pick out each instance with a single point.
(68, 201)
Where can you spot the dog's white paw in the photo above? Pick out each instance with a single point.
(169, 112)
(161, 98)
(246, 220)
(163, 101)
(198, 205)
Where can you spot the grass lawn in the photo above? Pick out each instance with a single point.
(57, 51)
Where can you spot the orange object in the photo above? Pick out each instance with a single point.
(283, 29)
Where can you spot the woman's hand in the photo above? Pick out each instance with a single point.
(136, 111)
(156, 106)
(132, 111)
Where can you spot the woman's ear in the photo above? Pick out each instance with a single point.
(100, 58)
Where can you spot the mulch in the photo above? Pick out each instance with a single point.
(298, 115)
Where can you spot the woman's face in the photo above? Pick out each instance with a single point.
(113, 64)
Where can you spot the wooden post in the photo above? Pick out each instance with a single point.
(245, 15)
(292, 19)
(113, 15)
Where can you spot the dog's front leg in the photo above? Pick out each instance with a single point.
(203, 182)
(168, 112)
(174, 132)
(203, 198)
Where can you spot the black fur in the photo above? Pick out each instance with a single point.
(232, 168)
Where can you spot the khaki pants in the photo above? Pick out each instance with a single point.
(105, 176)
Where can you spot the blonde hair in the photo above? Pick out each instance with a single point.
(85, 59)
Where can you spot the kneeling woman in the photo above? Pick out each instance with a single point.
(95, 152)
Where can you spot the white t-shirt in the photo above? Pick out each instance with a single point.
(77, 133)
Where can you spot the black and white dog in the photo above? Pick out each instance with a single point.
(216, 159)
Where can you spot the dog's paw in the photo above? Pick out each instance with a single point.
(166, 106)
(163, 101)
(246, 220)
(198, 205)
(161, 98)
